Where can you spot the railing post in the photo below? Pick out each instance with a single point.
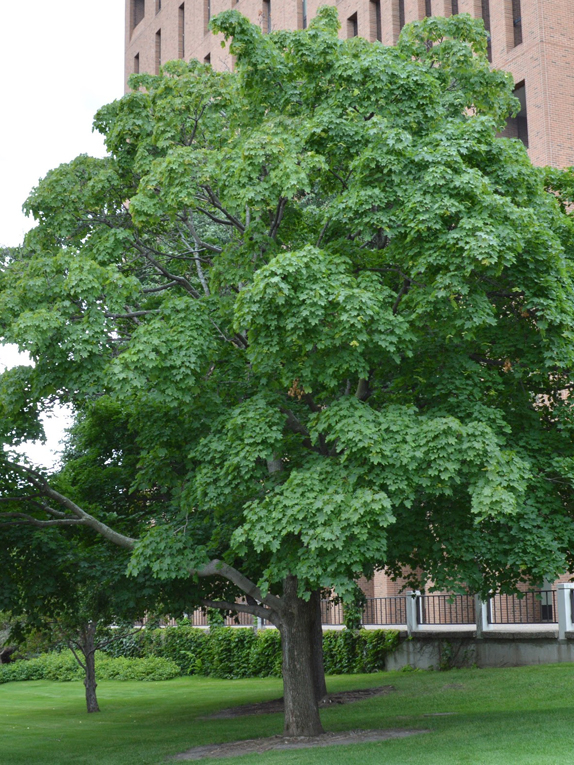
(412, 611)
(481, 609)
(564, 602)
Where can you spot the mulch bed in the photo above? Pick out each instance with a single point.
(276, 705)
(276, 743)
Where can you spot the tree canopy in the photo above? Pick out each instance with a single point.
(333, 308)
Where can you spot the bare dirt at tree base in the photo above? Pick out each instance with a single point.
(277, 743)
(276, 705)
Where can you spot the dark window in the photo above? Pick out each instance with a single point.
(266, 16)
(303, 6)
(157, 6)
(157, 51)
(138, 11)
(137, 63)
(517, 21)
(206, 15)
(486, 19)
(428, 8)
(181, 31)
(207, 59)
(352, 26)
(401, 14)
(375, 20)
(454, 7)
(517, 127)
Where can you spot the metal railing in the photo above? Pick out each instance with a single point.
(538, 607)
(446, 609)
(389, 610)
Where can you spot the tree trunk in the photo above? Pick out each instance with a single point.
(298, 635)
(317, 649)
(90, 660)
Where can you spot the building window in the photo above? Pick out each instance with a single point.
(157, 51)
(206, 15)
(486, 19)
(137, 63)
(517, 127)
(428, 8)
(266, 17)
(517, 21)
(401, 14)
(521, 119)
(157, 6)
(181, 31)
(375, 20)
(138, 12)
(454, 7)
(353, 26)
(207, 59)
(302, 14)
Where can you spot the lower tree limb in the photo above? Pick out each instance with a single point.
(297, 638)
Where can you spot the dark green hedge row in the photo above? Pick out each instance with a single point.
(62, 667)
(229, 652)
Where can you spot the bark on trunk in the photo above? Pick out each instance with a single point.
(298, 631)
(90, 667)
(319, 682)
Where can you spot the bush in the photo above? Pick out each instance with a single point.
(148, 669)
(63, 667)
(229, 652)
(224, 652)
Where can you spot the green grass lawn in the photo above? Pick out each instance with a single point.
(516, 716)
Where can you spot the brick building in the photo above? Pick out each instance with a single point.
(532, 39)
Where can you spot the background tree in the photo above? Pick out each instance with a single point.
(336, 313)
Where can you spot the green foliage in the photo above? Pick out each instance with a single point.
(63, 667)
(329, 333)
(229, 652)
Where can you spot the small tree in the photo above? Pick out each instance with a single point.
(336, 313)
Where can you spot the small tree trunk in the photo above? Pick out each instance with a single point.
(297, 640)
(317, 649)
(90, 660)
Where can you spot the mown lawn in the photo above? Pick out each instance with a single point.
(515, 716)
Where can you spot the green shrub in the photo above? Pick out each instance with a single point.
(265, 657)
(148, 669)
(223, 652)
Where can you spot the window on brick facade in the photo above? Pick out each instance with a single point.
(157, 6)
(207, 59)
(157, 51)
(302, 14)
(517, 127)
(353, 26)
(266, 17)
(517, 21)
(428, 8)
(181, 31)
(454, 7)
(138, 12)
(137, 63)
(401, 14)
(375, 25)
(486, 19)
(206, 15)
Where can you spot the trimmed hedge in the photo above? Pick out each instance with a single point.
(223, 652)
(62, 667)
(231, 652)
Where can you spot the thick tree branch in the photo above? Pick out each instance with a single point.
(242, 608)
(219, 568)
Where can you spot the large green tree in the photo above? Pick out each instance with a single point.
(336, 312)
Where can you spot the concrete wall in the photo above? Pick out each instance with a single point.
(444, 650)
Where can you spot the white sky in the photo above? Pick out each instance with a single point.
(61, 60)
